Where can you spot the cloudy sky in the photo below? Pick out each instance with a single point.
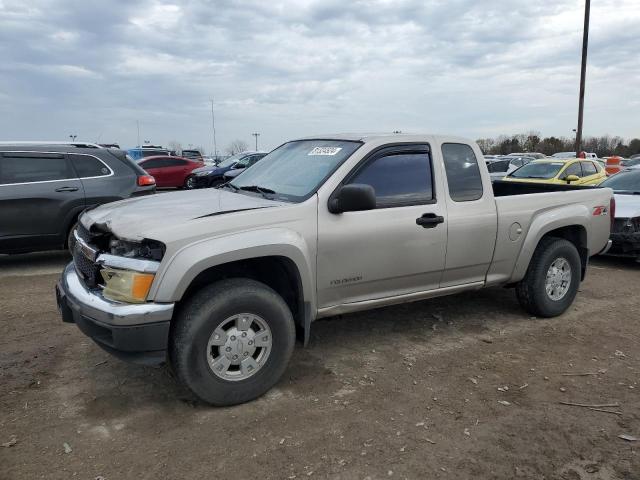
(287, 68)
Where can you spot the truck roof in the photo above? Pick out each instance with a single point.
(388, 137)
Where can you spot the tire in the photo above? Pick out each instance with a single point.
(532, 290)
(190, 182)
(209, 311)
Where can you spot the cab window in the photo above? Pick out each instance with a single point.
(399, 176)
(463, 173)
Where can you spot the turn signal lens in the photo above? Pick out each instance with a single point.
(125, 285)
(146, 181)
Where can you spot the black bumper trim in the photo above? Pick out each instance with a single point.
(143, 344)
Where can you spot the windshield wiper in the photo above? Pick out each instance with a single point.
(230, 185)
(255, 188)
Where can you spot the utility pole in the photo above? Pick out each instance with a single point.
(256, 134)
(583, 74)
(213, 127)
(138, 125)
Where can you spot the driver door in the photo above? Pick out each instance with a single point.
(383, 252)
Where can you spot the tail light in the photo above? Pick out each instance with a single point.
(612, 210)
(146, 181)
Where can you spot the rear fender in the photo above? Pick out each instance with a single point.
(542, 224)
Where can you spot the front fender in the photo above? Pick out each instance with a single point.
(176, 274)
(545, 222)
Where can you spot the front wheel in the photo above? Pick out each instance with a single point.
(190, 182)
(552, 279)
(232, 341)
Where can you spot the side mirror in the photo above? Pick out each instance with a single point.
(353, 198)
(572, 178)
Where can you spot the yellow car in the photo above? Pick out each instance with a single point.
(572, 171)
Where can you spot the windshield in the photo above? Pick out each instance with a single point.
(296, 169)
(624, 182)
(538, 170)
(564, 155)
(231, 160)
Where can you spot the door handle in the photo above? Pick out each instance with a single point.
(67, 189)
(429, 220)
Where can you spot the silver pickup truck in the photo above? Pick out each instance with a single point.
(219, 282)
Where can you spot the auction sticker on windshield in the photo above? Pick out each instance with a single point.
(324, 150)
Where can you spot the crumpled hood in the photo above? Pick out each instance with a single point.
(627, 206)
(131, 219)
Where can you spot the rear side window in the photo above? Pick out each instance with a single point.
(463, 173)
(21, 168)
(174, 162)
(398, 178)
(588, 168)
(573, 169)
(154, 163)
(88, 166)
(498, 167)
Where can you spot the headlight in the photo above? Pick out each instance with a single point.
(126, 285)
(204, 174)
(147, 249)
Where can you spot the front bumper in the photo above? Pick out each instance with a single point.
(137, 333)
(625, 245)
(207, 181)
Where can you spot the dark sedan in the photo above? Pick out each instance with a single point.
(212, 176)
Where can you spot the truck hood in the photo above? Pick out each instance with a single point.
(627, 206)
(130, 219)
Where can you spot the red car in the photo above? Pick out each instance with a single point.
(170, 171)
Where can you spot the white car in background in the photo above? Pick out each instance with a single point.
(625, 231)
(503, 166)
(592, 156)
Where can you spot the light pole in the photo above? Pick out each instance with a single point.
(213, 127)
(73, 137)
(583, 74)
(256, 134)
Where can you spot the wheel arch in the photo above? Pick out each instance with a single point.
(573, 228)
(283, 266)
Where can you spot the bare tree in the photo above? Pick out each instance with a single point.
(237, 146)
(175, 146)
(485, 144)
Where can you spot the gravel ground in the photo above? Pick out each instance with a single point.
(459, 387)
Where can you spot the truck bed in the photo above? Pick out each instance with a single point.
(505, 189)
(542, 208)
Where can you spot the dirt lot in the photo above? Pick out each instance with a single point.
(460, 387)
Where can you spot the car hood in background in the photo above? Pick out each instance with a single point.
(132, 219)
(627, 206)
(234, 172)
(210, 169)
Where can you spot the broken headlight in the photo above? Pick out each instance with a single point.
(146, 249)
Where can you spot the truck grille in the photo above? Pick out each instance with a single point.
(625, 225)
(84, 255)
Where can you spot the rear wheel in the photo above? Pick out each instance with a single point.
(232, 341)
(552, 279)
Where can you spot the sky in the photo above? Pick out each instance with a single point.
(289, 68)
